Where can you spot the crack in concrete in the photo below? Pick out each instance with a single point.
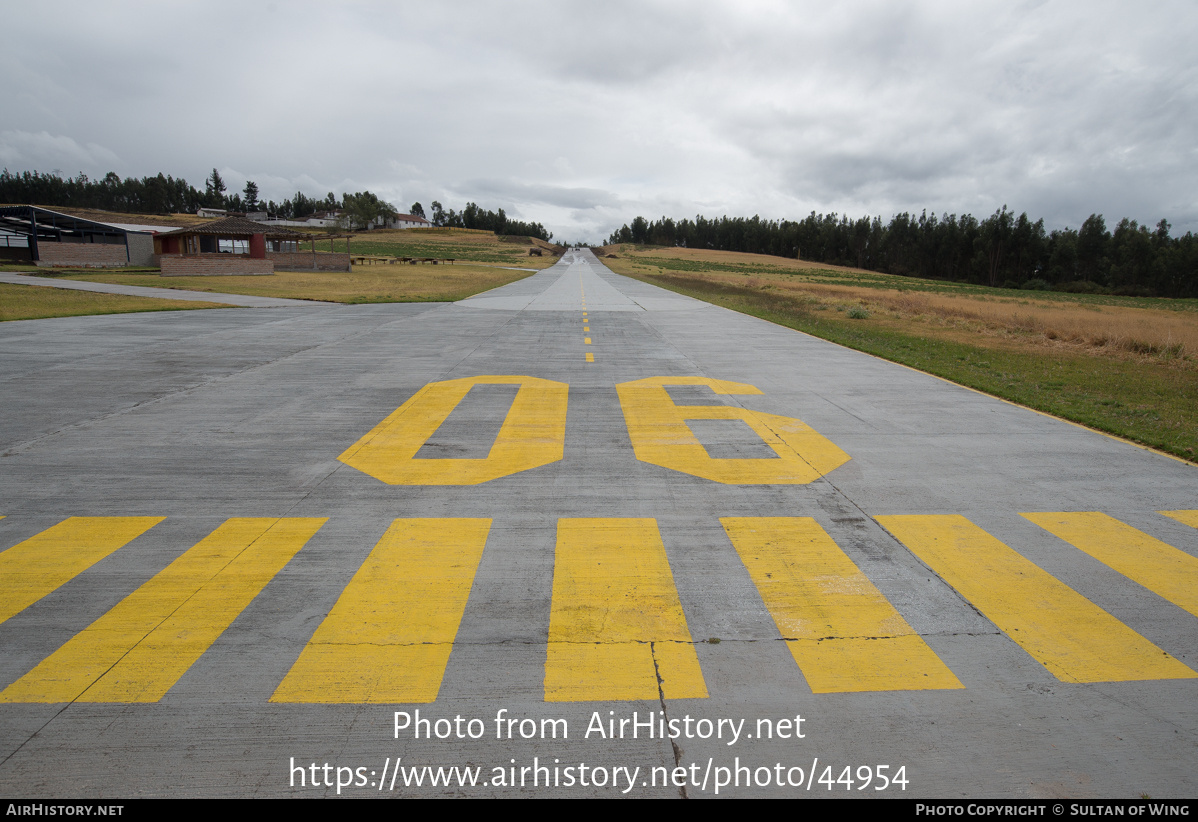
(661, 698)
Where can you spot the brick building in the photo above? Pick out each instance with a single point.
(236, 245)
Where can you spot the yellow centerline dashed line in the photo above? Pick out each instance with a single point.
(388, 637)
(585, 322)
(1156, 565)
(844, 635)
(616, 626)
(1066, 633)
(41, 564)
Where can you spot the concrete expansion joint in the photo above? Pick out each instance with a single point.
(994, 632)
(843, 638)
(846, 638)
(84, 425)
(649, 642)
(487, 643)
(377, 644)
(665, 712)
(205, 383)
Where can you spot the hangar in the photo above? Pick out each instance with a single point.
(51, 238)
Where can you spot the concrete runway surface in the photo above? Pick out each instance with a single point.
(576, 536)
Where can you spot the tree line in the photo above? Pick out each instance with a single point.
(163, 194)
(472, 216)
(160, 194)
(1002, 250)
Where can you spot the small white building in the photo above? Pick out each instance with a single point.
(409, 221)
(328, 219)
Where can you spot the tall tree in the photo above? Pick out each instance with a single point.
(361, 209)
(215, 189)
(251, 196)
(1093, 241)
(416, 210)
(995, 238)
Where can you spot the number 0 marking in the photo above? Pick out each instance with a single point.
(660, 436)
(533, 434)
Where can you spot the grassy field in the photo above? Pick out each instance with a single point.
(445, 243)
(31, 302)
(482, 261)
(1127, 366)
(365, 284)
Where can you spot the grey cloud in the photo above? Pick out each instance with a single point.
(37, 149)
(582, 116)
(515, 191)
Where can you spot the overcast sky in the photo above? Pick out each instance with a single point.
(582, 116)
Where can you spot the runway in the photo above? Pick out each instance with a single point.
(577, 522)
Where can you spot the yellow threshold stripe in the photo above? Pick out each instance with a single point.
(1156, 565)
(388, 637)
(844, 635)
(138, 650)
(1189, 518)
(1066, 633)
(616, 625)
(46, 561)
(590, 357)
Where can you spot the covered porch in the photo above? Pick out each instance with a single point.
(238, 246)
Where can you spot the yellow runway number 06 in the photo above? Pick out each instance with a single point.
(534, 434)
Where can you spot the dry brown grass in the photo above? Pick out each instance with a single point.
(100, 216)
(707, 255)
(366, 283)
(1118, 329)
(1109, 330)
(1121, 331)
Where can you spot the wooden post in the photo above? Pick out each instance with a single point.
(34, 253)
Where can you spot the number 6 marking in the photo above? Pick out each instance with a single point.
(533, 434)
(660, 436)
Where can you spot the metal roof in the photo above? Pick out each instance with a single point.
(236, 227)
(52, 224)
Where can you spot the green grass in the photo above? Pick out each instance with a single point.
(479, 247)
(457, 251)
(33, 302)
(1154, 403)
